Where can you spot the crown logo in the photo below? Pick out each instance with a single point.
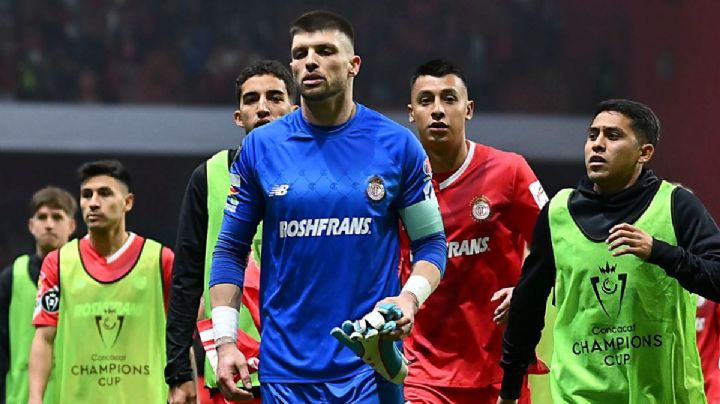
(605, 287)
(607, 269)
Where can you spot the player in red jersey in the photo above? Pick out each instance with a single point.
(489, 201)
(707, 325)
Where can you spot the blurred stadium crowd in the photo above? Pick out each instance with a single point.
(187, 52)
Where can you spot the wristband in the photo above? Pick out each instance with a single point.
(418, 286)
(225, 323)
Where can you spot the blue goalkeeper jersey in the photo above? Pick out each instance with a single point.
(329, 199)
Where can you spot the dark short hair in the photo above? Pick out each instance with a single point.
(642, 119)
(111, 168)
(53, 198)
(321, 20)
(436, 68)
(262, 68)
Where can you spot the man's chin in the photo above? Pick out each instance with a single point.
(317, 94)
(50, 246)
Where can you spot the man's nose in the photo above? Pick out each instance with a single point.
(263, 109)
(438, 111)
(311, 62)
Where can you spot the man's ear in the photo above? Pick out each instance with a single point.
(355, 63)
(238, 121)
(646, 152)
(469, 110)
(129, 201)
(411, 117)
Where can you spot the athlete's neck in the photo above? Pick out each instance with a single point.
(447, 158)
(331, 111)
(608, 188)
(41, 252)
(108, 242)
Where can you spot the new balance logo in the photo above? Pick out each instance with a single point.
(279, 190)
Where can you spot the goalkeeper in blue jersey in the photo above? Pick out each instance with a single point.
(330, 181)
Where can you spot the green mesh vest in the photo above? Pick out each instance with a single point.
(21, 332)
(110, 343)
(625, 330)
(218, 185)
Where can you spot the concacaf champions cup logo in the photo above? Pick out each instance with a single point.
(109, 325)
(609, 289)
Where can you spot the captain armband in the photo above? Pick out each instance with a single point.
(422, 219)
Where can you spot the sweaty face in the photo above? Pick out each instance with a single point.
(51, 228)
(104, 201)
(322, 63)
(263, 99)
(439, 106)
(613, 153)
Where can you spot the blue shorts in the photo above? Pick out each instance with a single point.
(365, 388)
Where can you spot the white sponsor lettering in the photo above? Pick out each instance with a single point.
(230, 208)
(327, 226)
(468, 247)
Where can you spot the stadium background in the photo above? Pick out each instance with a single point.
(151, 83)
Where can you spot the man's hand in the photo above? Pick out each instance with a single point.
(183, 393)
(408, 304)
(366, 338)
(635, 241)
(501, 312)
(232, 367)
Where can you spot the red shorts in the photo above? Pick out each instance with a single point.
(424, 394)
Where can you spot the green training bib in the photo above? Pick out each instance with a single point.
(110, 344)
(21, 332)
(625, 330)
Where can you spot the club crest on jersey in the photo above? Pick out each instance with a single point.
(480, 208)
(376, 189)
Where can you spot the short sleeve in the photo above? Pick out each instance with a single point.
(528, 198)
(48, 297)
(166, 258)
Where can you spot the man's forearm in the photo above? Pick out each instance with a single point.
(429, 271)
(40, 366)
(226, 299)
(226, 294)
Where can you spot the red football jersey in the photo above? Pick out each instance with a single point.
(707, 325)
(489, 208)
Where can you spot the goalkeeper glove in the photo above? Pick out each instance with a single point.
(365, 338)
